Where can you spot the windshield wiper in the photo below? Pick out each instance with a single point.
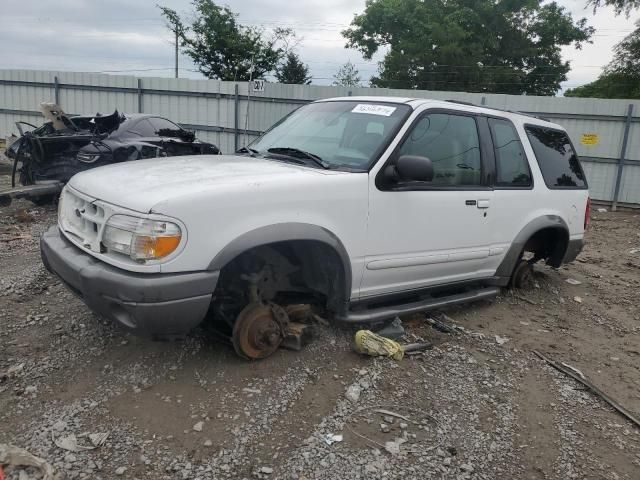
(297, 153)
(251, 151)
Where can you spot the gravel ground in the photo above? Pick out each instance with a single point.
(476, 406)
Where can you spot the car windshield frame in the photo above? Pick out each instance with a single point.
(390, 116)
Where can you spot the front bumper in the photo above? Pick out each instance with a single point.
(159, 304)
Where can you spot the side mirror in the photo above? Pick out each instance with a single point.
(413, 168)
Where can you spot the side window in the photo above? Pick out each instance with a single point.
(511, 162)
(163, 124)
(452, 143)
(558, 161)
(143, 128)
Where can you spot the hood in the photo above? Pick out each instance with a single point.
(141, 184)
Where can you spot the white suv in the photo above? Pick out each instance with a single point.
(368, 207)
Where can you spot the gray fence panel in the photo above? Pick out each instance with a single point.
(209, 107)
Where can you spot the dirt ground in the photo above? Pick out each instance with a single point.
(479, 405)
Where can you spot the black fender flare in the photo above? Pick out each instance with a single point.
(283, 232)
(510, 260)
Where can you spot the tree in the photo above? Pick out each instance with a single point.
(621, 78)
(221, 47)
(293, 71)
(619, 6)
(468, 45)
(347, 76)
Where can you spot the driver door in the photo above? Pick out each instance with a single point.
(422, 234)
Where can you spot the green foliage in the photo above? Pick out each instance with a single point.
(503, 46)
(347, 76)
(620, 6)
(621, 78)
(293, 71)
(221, 47)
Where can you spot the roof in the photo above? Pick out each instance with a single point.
(451, 105)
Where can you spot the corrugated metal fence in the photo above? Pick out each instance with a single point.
(605, 132)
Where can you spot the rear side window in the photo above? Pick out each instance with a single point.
(511, 163)
(557, 159)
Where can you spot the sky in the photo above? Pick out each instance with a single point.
(129, 36)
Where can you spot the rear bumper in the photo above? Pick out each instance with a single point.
(147, 304)
(573, 250)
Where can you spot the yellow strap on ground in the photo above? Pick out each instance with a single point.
(368, 343)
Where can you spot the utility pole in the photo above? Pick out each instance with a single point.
(176, 32)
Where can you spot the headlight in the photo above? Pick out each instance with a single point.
(88, 157)
(141, 239)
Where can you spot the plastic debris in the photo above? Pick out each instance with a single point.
(19, 457)
(70, 442)
(573, 281)
(331, 438)
(501, 340)
(368, 343)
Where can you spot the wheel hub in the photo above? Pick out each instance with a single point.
(258, 331)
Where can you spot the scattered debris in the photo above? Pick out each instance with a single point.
(353, 393)
(392, 414)
(18, 457)
(441, 326)
(602, 210)
(331, 438)
(266, 470)
(374, 345)
(633, 251)
(198, 426)
(252, 390)
(393, 330)
(70, 442)
(573, 281)
(577, 299)
(368, 343)
(393, 447)
(501, 340)
(578, 376)
(525, 299)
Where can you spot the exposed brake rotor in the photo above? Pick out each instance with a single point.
(259, 330)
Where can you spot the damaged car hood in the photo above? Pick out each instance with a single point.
(143, 184)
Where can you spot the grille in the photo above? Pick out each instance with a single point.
(82, 218)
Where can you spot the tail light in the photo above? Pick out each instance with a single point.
(587, 214)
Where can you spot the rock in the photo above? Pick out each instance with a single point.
(121, 470)
(353, 393)
(267, 470)
(573, 281)
(198, 426)
(208, 443)
(466, 467)
(577, 299)
(501, 340)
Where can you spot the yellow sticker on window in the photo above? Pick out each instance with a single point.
(589, 139)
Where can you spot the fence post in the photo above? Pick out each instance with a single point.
(56, 90)
(236, 120)
(139, 95)
(623, 154)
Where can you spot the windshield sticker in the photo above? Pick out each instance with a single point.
(373, 109)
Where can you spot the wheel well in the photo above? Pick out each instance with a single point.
(295, 267)
(549, 244)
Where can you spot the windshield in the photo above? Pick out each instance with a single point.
(340, 134)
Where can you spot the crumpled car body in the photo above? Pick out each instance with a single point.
(66, 145)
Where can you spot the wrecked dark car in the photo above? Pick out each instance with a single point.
(66, 145)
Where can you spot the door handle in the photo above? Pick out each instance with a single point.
(483, 203)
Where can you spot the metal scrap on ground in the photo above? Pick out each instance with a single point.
(578, 376)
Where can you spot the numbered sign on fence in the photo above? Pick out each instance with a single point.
(257, 85)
